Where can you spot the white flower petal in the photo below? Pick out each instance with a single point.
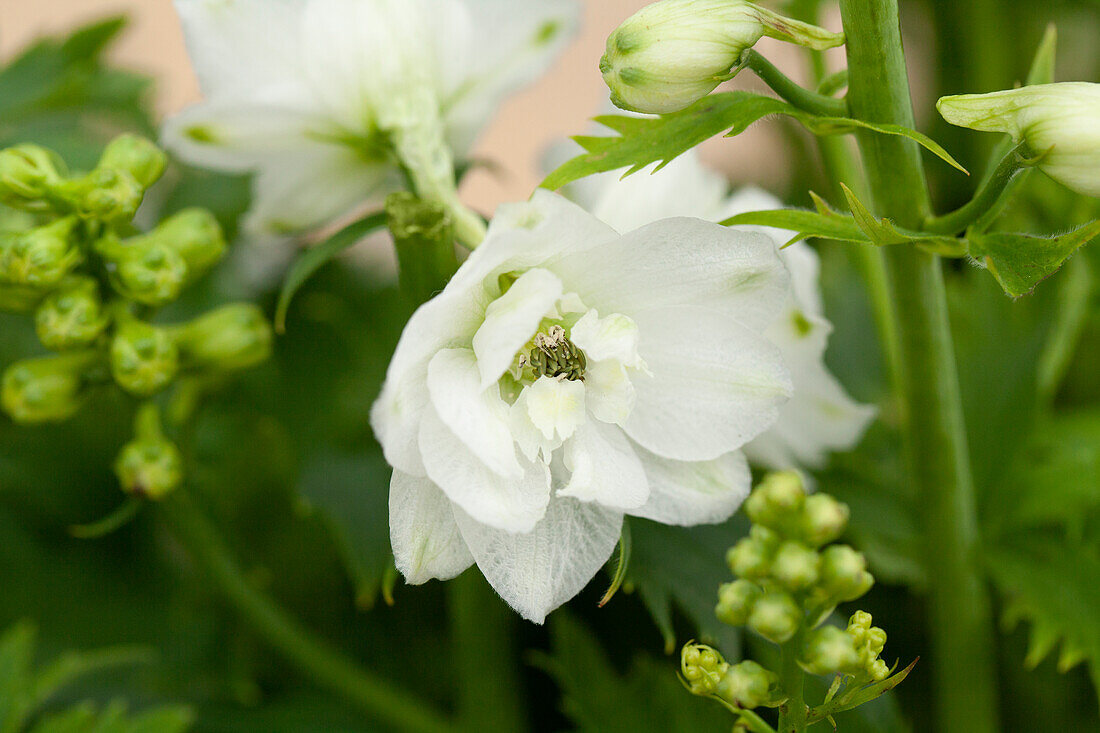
(241, 46)
(609, 393)
(479, 417)
(529, 439)
(511, 320)
(715, 385)
(509, 504)
(613, 337)
(676, 262)
(425, 539)
(696, 492)
(605, 468)
(555, 406)
(537, 571)
(448, 320)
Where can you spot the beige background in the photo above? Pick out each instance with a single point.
(556, 106)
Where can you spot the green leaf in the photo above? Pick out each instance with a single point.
(884, 232)
(84, 718)
(642, 141)
(16, 681)
(829, 225)
(1020, 262)
(1055, 586)
(621, 565)
(599, 698)
(315, 257)
(683, 567)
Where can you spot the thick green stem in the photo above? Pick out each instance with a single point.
(792, 713)
(482, 630)
(782, 85)
(312, 656)
(961, 619)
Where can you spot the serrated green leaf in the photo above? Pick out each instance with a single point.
(597, 697)
(642, 141)
(72, 665)
(807, 223)
(316, 257)
(884, 232)
(1055, 586)
(1020, 262)
(84, 718)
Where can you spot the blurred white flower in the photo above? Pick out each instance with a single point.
(820, 417)
(1061, 122)
(332, 102)
(567, 376)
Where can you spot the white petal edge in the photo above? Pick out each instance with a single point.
(605, 468)
(687, 493)
(425, 539)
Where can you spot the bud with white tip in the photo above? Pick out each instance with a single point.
(1060, 123)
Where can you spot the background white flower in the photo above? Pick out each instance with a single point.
(820, 417)
(328, 100)
(566, 376)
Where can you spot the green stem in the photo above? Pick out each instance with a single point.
(313, 656)
(489, 698)
(799, 96)
(988, 200)
(961, 619)
(792, 713)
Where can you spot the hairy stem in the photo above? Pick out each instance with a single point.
(311, 655)
(961, 619)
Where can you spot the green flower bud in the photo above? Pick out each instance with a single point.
(19, 298)
(747, 685)
(1057, 121)
(135, 155)
(71, 316)
(735, 601)
(48, 389)
(750, 558)
(829, 650)
(674, 52)
(823, 519)
(105, 194)
(229, 338)
(775, 616)
(144, 358)
(144, 270)
(40, 257)
(776, 501)
(859, 623)
(150, 469)
(702, 667)
(795, 566)
(879, 670)
(844, 573)
(196, 235)
(28, 175)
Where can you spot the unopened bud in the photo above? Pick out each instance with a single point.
(879, 670)
(144, 270)
(747, 685)
(702, 667)
(71, 316)
(844, 573)
(749, 558)
(19, 298)
(48, 389)
(775, 616)
(135, 155)
(233, 337)
(1057, 121)
(735, 601)
(775, 502)
(674, 52)
(105, 194)
(795, 566)
(829, 650)
(823, 519)
(39, 257)
(196, 235)
(150, 469)
(144, 358)
(28, 175)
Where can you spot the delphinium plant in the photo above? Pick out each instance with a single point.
(595, 379)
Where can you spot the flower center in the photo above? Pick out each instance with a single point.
(554, 355)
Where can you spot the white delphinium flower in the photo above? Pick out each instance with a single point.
(332, 102)
(1060, 122)
(568, 375)
(820, 417)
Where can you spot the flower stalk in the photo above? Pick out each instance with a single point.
(961, 620)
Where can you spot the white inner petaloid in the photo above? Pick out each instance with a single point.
(575, 366)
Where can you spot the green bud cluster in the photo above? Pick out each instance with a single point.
(787, 578)
(70, 258)
(744, 685)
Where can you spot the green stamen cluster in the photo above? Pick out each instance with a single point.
(70, 257)
(554, 355)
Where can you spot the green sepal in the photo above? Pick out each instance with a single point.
(1020, 262)
(621, 565)
(642, 141)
